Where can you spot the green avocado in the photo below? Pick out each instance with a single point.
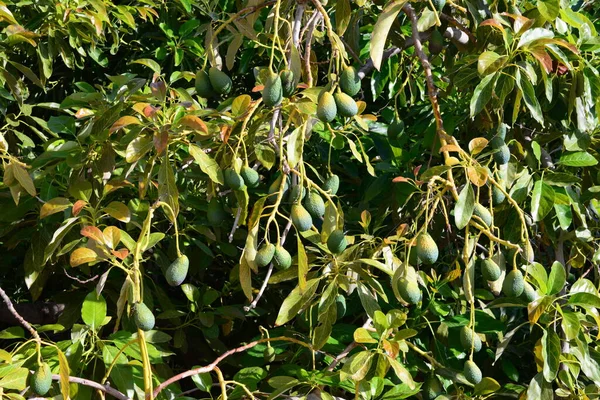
(177, 271)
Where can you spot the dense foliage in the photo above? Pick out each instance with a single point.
(345, 198)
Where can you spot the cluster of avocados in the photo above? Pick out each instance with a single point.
(341, 102)
(277, 86)
(212, 83)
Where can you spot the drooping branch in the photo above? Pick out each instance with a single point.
(95, 385)
(18, 316)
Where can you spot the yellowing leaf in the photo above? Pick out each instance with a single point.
(91, 232)
(477, 144)
(82, 255)
(118, 211)
(63, 365)
(112, 236)
(477, 175)
(22, 176)
(54, 206)
(194, 123)
(123, 122)
(381, 29)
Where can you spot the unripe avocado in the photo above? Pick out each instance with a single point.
(432, 387)
(251, 177)
(497, 195)
(265, 254)
(346, 105)
(469, 339)
(215, 214)
(350, 81)
(177, 271)
(501, 132)
(41, 380)
(287, 82)
(497, 142)
(143, 317)
(513, 284)
(409, 291)
(395, 129)
(314, 204)
(301, 218)
(529, 293)
(502, 156)
(472, 372)
(272, 93)
(331, 184)
(336, 242)
(203, 86)
(436, 43)
(483, 213)
(269, 354)
(282, 259)
(427, 249)
(340, 306)
(326, 107)
(219, 80)
(233, 179)
(490, 270)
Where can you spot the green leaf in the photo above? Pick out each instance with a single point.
(539, 389)
(343, 12)
(16, 380)
(202, 381)
(296, 301)
(538, 272)
(578, 159)
(401, 372)
(381, 29)
(207, 164)
(549, 9)
(64, 372)
(529, 96)
(570, 324)
(486, 386)
(463, 210)
(585, 300)
(542, 200)
(358, 365)
(489, 62)
(483, 93)
(551, 354)
(557, 278)
(167, 187)
(93, 310)
(532, 35)
(153, 65)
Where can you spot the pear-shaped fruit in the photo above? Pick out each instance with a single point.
(346, 106)
(483, 213)
(340, 306)
(529, 293)
(250, 176)
(203, 86)
(469, 339)
(301, 218)
(336, 242)
(502, 155)
(269, 354)
(143, 317)
(265, 254)
(331, 184)
(177, 271)
(272, 93)
(288, 83)
(314, 204)
(326, 107)
(409, 291)
(282, 259)
(490, 270)
(41, 380)
(432, 387)
(233, 179)
(297, 193)
(219, 80)
(497, 195)
(350, 81)
(472, 372)
(427, 249)
(513, 284)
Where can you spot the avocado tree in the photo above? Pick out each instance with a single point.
(378, 200)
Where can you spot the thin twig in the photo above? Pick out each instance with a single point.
(235, 224)
(86, 382)
(347, 350)
(18, 316)
(307, 48)
(79, 280)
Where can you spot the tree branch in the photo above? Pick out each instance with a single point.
(103, 388)
(18, 316)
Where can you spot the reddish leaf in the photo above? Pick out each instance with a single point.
(91, 232)
(78, 206)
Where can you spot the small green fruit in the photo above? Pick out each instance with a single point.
(41, 380)
(409, 291)
(269, 354)
(331, 184)
(301, 218)
(529, 293)
(315, 205)
(483, 213)
(233, 179)
(497, 195)
(177, 271)
(490, 270)
(345, 104)
(272, 93)
(287, 82)
(215, 214)
(350, 81)
(250, 176)
(436, 43)
(469, 339)
(203, 86)
(336, 242)
(265, 254)
(502, 155)
(514, 284)
(143, 317)
(282, 259)
(432, 387)
(326, 107)
(472, 372)
(427, 249)
(340, 306)
(219, 80)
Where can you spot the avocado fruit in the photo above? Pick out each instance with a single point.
(326, 107)
(472, 372)
(514, 284)
(336, 242)
(301, 218)
(350, 81)
(409, 291)
(346, 106)
(469, 339)
(219, 80)
(314, 204)
(272, 93)
(143, 317)
(202, 84)
(282, 259)
(427, 249)
(233, 179)
(265, 254)
(177, 271)
(41, 380)
(250, 176)
(490, 270)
